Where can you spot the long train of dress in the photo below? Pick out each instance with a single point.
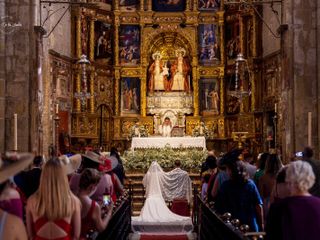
(155, 216)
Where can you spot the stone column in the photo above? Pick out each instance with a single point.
(92, 68)
(143, 97)
(117, 92)
(149, 2)
(221, 79)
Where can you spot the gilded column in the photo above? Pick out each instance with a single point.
(116, 5)
(78, 36)
(241, 33)
(91, 41)
(91, 88)
(143, 96)
(221, 78)
(117, 91)
(255, 35)
(142, 5)
(221, 29)
(188, 3)
(195, 5)
(149, 2)
(253, 91)
(78, 55)
(116, 40)
(195, 85)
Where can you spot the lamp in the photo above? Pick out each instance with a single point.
(239, 92)
(83, 95)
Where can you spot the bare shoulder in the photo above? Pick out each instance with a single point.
(14, 228)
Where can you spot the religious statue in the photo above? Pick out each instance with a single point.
(166, 128)
(214, 97)
(180, 80)
(158, 73)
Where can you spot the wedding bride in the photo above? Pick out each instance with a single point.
(155, 215)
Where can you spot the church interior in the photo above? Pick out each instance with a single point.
(213, 75)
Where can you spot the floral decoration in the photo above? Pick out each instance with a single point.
(200, 130)
(140, 159)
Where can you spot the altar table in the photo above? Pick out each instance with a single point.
(174, 142)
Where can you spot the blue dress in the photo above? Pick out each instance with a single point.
(241, 201)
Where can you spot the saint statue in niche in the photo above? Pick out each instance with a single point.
(158, 73)
(180, 79)
(214, 99)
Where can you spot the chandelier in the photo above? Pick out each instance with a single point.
(83, 95)
(239, 92)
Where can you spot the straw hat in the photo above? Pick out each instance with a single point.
(71, 164)
(13, 163)
(93, 156)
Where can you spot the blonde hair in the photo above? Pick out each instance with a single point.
(54, 199)
(301, 175)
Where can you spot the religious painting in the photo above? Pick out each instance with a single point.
(232, 103)
(232, 39)
(128, 5)
(103, 42)
(209, 44)
(209, 98)
(129, 45)
(168, 5)
(130, 95)
(209, 5)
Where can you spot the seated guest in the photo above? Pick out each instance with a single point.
(28, 181)
(11, 226)
(53, 212)
(221, 177)
(91, 211)
(240, 197)
(298, 216)
(105, 185)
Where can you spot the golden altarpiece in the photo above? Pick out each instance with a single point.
(123, 39)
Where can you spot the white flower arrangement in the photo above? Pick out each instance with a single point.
(200, 130)
(138, 130)
(191, 158)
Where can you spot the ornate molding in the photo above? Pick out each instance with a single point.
(130, 72)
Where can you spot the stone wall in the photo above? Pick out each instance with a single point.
(300, 79)
(17, 71)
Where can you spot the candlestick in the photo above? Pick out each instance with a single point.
(57, 108)
(15, 132)
(275, 107)
(309, 129)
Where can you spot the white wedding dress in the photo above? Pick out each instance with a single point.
(155, 216)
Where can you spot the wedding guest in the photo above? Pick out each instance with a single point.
(28, 181)
(106, 167)
(10, 199)
(296, 217)
(222, 176)
(90, 211)
(105, 185)
(240, 197)
(212, 164)
(11, 226)
(53, 212)
(268, 179)
(119, 170)
(204, 188)
(262, 158)
(281, 189)
(247, 159)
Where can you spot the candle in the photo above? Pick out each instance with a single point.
(309, 129)
(57, 108)
(275, 107)
(15, 132)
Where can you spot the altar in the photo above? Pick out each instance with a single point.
(173, 142)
